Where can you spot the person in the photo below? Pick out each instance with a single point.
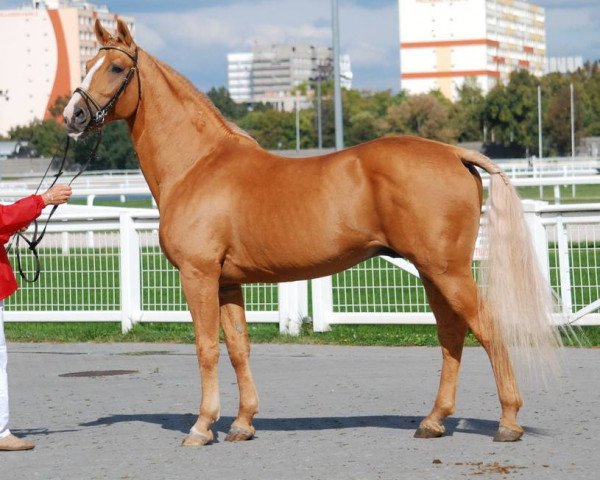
(15, 218)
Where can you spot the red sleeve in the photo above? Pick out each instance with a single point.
(20, 214)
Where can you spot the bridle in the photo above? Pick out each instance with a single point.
(96, 122)
(100, 114)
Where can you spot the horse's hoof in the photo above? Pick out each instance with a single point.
(505, 434)
(237, 434)
(196, 439)
(430, 430)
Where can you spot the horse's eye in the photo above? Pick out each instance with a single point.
(116, 69)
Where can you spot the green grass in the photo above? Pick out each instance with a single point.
(382, 335)
(103, 202)
(583, 193)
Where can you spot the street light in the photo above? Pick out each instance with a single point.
(337, 91)
(323, 73)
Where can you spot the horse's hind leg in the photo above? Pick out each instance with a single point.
(486, 332)
(451, 334)
(233, 321)
(462, 296)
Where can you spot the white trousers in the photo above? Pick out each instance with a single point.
(4, 431)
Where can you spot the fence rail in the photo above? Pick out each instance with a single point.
(106, 265)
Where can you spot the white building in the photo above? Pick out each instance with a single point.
(563, 64)
(443, 42)
(270, 74)
(44, 49)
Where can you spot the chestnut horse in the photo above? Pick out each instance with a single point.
(232, 213)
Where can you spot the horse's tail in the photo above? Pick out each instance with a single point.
(517, 294)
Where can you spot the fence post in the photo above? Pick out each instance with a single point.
(532, 214)
(293, 306)
(564, 267)
(129, 272)
(322, 303)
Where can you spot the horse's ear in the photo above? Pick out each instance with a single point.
(102, 34)
(123, 33)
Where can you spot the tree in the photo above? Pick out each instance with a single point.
(57, 109)
(226, 105)
(47, 136)
(271, 129)
(510, 112)
(558, 121)
(115, 151)
(466, 114)
(425, 115)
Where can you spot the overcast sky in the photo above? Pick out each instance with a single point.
(195, 36)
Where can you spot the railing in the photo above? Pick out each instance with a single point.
(548, 172)
(106, 265)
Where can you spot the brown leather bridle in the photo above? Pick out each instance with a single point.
(100, 114)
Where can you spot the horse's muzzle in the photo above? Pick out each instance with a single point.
(77, 119)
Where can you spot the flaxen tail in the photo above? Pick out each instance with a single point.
(517, 294)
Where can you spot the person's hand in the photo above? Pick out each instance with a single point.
(57, 194)
(23, 229)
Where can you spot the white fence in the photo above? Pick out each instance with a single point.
(541, 173)
(107, 266)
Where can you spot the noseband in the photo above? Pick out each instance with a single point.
(101, 112)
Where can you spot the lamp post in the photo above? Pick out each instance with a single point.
(337, 91)
(297, 120)
(323, 72)
(572, 123)
(539, 96)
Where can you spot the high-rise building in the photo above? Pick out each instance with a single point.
(44, 49)
(270, 74)
(444, 42)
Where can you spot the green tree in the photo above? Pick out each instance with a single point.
(56, 110)
(425, 115)
(510, 112)
(115, 151)
(226, 105)
(46, 136)
(558, 123)
(466, 114)
(271, 129)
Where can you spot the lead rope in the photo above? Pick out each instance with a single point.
(96, 123)
(37, 238)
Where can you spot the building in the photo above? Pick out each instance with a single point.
(444, 42)
(270, 74)
(45, 47)
(563, 64)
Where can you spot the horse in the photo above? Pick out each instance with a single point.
(232, 213)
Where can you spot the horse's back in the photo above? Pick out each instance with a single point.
(279, 218)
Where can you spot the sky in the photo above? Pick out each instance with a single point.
(195, 36)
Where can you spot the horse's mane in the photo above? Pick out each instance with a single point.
(202, 99)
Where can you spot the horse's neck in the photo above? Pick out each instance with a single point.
(174, 126)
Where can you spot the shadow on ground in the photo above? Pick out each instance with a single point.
(183, 422)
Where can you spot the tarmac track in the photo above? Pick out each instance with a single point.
(327, 412)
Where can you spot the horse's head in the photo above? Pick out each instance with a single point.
(107, 92)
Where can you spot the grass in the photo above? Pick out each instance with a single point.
(583, 193)
(61, 285)
(381, 335)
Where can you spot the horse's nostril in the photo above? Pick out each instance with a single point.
(79, 114)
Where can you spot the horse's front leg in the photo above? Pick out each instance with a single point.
(201, 289)
(233, 321)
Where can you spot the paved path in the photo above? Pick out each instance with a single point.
(326, 413)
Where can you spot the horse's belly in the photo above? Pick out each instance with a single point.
(286, 268)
